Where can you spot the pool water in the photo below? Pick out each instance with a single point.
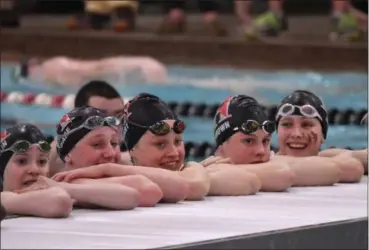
(211, 85)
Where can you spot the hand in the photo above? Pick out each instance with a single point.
(92, 172)
(41, 183)
(214, 160)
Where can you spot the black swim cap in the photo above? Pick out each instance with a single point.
(74, 119)
(301, 98)
(145, 110)
(26, 132)
(232, 113)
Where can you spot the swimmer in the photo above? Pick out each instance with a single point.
(67, 72)
(302, 128)
(88, 132)
(243, 133)
(100, 95)
(153, 135)
(24, 153)
(23, 157)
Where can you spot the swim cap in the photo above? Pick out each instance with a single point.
(144, 110)
(76, 120)
(300, 98)
(19, 132)
(233, 113)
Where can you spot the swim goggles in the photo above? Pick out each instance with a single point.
(162, 128)
(305, 110)
(21, 146)
(251, 126)
(90, 123)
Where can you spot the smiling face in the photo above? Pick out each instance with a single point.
(166, 151)
(23, 170)
(299, 136)
(99, 146)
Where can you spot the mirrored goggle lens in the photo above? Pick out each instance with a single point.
(269, 127)
(179, 127)
(250, 127)
(160, 128)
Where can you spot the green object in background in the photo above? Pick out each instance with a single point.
(267, 24)
(345, 27)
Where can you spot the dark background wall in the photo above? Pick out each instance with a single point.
(292, 7)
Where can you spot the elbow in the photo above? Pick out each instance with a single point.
(130, 199)
(198, 190)
(234, 182)
(178, 190)
(60, 204)
(150, 195)
(282, 180)
(352, 171)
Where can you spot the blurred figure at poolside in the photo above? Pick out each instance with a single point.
(175, 20)
(348, 19)
(64, 71)
(98, 14)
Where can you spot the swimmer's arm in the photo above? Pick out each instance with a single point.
(149, 192)
(227, 180)
(312, 170)
(274, 176)
(50, 203)
(361, 155)
(106, 195)
(198, 180)
(351, 169)
(175, 188)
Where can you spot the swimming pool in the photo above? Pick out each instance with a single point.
(210, 86)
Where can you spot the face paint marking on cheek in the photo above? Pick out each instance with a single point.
(313, 137)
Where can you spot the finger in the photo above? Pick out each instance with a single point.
(224, 160)
(204, 162)
(57, 177)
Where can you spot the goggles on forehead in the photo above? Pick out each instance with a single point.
(306, 110)
(163, 128)
(92, 123)
(251, 126)
(20, 147)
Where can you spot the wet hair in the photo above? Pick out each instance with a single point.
(95, 88)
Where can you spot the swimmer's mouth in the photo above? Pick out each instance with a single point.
(297, 146)
(29, 183)
(172, 165)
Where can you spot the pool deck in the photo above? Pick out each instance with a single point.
(302, 218)
(304, 46)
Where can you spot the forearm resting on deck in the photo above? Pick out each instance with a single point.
(274, 176)
(312, 170)
(149, 192)
(50, 203)
(106, 195)
(198, 180)
(231, 181)
(175, 188)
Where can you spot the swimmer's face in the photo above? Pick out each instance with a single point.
(247, 149)
(112, 107)
(299, 136)
(23, 170)
(99, 146)
(165, 151)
